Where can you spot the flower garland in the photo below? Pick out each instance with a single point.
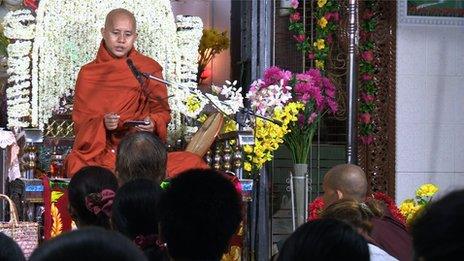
(367, 68)
(327, 17)
(19, 25)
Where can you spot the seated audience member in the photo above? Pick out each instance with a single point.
(324, 239)
(135, 215)
(141, 155)
(200, 211)
(437, 231)
(358, 216)
(88, 244)
(347, 181)
(9, 249)
(91, 192)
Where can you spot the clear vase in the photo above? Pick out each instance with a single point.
(299, 190)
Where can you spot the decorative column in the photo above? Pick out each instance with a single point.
(351, 83)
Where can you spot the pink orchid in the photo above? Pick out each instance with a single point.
(333, 105)
(294, 4)
(312, 118)
(365, 118)
(299, 38)
(274, 74)
(295, 17)
(368, 56)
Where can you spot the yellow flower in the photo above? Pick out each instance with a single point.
(319, 44)
(248, 149)
(247, 166)
(321, 3)
(323, 22)
(426, 190)
(229, 125)
(202, 118)
(193, 103)
(319, 64)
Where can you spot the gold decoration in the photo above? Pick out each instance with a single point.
(57, 225)
(233, 255)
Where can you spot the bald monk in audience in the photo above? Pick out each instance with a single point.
(348, 181)
(108, 94)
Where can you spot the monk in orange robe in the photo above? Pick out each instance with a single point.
(108, 93)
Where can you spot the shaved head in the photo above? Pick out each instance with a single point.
(118, 13)
(347, 181)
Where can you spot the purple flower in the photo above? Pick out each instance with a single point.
(366, 140)
(367, 97)
(299, 38)
(274, 74)
(333, 105)
(301, 120)
(366, 77)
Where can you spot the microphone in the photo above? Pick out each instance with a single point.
(134, 70)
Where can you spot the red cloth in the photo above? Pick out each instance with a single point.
(60, 222)
(180, 161)
(107, 85)
(392, 236)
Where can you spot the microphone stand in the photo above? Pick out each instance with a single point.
(245, 111)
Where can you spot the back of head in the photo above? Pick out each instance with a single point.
(200, 211)
(357, 215)
(9, 249)
(349, 179)
(87, 204)
(135, 214)
(437, 230)
(88, 244)
(324, 239)
(141, 155)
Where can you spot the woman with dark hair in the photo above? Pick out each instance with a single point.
(135, 215)
(88, 244)
(9, 249)
(324, 239)
(359, 216)
(91, 192)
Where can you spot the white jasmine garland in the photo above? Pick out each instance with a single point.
(19, 24)
(19, 48)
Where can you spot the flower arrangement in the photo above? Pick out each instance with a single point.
(411, 207)
(212, 42)
(367, 67)
(297, 102)
(327, 17)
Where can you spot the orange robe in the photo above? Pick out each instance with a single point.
(180, 161)
(108, 85)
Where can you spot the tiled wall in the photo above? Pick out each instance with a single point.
(430, 108)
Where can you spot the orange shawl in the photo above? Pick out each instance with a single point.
(108, 85)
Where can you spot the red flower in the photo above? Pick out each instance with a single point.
(328, 16)
(315, 208)
(366, 77)
(32, 4)
(368, 14)
(299, 38)
(368, 56)
(367, 140)
(329, 39)
(365, 118)
(391, 206)
(295, 17)
(367, 97)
